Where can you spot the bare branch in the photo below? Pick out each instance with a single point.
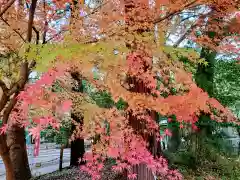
(3, 86)
(3, 101)
(55, 35)
(37, 34)
(9, 108)
(184, 35)
(32, 65)
(8, 5)
(193, 16)
(96, 9)
(158, 20)
(189, 30)
(30, 20)
(45, 23)
(91, 13)
(17, 32)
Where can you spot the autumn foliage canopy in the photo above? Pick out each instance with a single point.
(145, 73)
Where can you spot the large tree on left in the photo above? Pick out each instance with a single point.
(22, 24)
(12, 142)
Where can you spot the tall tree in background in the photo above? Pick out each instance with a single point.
(210, 37)
(206, 72)
(77, 145)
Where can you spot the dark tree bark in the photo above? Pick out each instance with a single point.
(77, 147)
(8, 166)
(61, 158)
(13, 144)
(18, 153)
(14, 154)
(238, 130)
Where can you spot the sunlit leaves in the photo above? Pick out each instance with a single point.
(9, 66)
(100, 53)
(130, 80)
(176, 53)
(203, 62)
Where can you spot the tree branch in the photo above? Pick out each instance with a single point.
(35, 29)
(18, 33)
(30, 20)
(9, 108)
(32, 65)
(158, 20)
(8, 5)
(54, 36)
(184, 19)
(3, 101)
(15, 89)
(3, 86)
(91, 13)
(184, 36)
(45, 23)
(37, 34)
(3, 145)
(189, 30)
(24, 73)
(19, 85)
(182, 22)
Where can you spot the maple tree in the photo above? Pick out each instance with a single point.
(22, 24)
(145, 73)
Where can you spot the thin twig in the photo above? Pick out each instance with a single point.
(8, 5)
(64, 30)
(37, 34)
(17, 32)
(190, 30)
(45, 23)
(158, 20)
(184, 35)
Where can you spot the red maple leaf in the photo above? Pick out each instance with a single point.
(66, 105)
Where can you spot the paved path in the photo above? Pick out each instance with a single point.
(46, 162)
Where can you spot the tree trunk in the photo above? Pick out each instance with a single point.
(17, 154)
(61, 158)
(77, 152)
(8, 166)
(135, 26)
(238, 130)
(77, 147)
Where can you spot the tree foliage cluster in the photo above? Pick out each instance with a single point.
(140, 76)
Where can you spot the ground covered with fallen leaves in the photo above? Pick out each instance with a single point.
(77, 174)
